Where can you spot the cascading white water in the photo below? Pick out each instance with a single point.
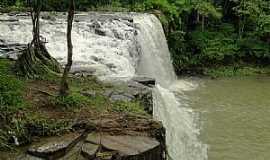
(181, 131)
(155, 58)
(111, 53)
(111, 45)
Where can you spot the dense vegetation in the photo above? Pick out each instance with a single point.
(31, 108)
(202, 34)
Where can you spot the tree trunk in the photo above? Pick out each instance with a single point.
(64, 84)
(203, 22)
(36, 60)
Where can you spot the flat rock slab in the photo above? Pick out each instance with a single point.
(89, 150)
(145, 81)
(74, 153)
(55, 147)
(28, 157)
(128, 146)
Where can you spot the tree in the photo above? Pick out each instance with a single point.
(248, 11)
(36, 61)
(205, 10)
(64, 84)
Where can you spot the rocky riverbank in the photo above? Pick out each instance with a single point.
(118, 113)
(99, 121)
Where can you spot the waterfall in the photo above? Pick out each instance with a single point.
(155, 58)
(181, 131)
(120, 45)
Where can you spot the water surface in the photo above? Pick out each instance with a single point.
(234, 114)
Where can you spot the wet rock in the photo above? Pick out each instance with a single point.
(95, 24)
(129, 147)
(100, 32)
(89, 150)
(132, 91)
(82, 71)
(150, 82)
(121, 97)
(93, 138)
(28, 157)
(118, 95)
(22, 14)
(11, 51)
(90, 94)
(55, 147)
(11, 19)
(106, 155)
(111, 65)
(48, 17)
(143, 94)
(74, 153)
(84, 125)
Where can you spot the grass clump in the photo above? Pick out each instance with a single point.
(43, 126)
(128, 107)
(74, 100)
(11, 90)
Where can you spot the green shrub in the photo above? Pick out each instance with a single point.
(40, 126)
(215, 47)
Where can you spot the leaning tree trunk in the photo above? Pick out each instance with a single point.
(36, 61)
(64, 84)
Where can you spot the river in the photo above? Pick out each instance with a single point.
(234, 116)
(224, 119)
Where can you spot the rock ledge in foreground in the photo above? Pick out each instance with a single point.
(128, 147)
(55, 147)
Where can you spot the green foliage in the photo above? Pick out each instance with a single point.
(254, 48)
(4, 137)
(31, 124)
(181, 52)
(207, 9)
(10, 91)
(215, 46)
(73, 100)
(232, 71)
(11, 88)
(42, 126)
(263, 26)
(231, 31)
(128, 107)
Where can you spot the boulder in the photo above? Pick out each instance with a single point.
(55, 147)
(150, 82)
(132, 91)
(143, 94)
(100, 32)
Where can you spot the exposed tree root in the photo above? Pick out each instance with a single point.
(36, 62)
